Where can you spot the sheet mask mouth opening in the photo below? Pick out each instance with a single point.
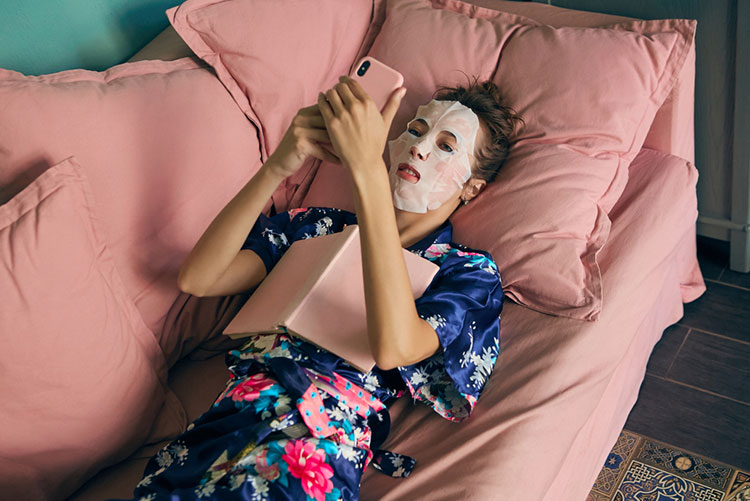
(409, 170)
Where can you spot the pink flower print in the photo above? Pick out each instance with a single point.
(364, 439)
(308, 464)
(265, 470)
(466, 253)
(250, 388)
(294, 212)
(436, 250)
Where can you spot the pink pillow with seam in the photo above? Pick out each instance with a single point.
(164, 147)
(82, 378)
(274, 57)
(588, 97)
(544, 218)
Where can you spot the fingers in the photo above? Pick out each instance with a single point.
(335, 101)
(325, 108)
(357, 90)
(315, 120)
(391, 107)
(342, 96)
(318, 135)
(309, 110)
(345, 91)
(323, 154)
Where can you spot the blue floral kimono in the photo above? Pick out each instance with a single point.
(297, 422)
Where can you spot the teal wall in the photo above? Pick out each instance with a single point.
(46, 36)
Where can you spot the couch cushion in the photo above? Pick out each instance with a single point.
(274, 57)
(82, 378)
(163, 144)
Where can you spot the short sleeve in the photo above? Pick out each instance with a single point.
(269, 238)
(463, 305)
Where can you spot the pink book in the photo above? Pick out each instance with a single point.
(316, 292)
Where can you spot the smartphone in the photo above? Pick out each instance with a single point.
(378, 79)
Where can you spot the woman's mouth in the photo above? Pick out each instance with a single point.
(407, 172)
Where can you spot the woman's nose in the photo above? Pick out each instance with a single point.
(416, 150)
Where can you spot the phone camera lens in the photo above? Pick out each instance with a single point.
(363, 68)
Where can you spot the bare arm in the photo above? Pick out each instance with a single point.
(216, 265)
(397, 334)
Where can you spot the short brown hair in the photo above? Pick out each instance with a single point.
(501, 121)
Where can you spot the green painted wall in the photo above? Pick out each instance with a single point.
(46, 36)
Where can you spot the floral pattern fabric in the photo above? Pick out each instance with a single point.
(298, 422)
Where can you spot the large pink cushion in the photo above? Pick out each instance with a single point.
(81, 376)
(165, 148)
(673, 129)
(274, 57)
(587, 115)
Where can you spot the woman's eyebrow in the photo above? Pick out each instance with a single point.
(423, 122)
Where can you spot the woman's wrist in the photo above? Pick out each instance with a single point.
(367, 172)
(273, 170)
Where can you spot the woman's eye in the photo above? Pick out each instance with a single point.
(416, 133)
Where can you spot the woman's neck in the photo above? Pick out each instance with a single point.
(413, 226)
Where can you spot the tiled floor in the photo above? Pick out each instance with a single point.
(696, 393)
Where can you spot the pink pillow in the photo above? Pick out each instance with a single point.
(588, 97)
(274, 57)
(82, 376)
(164, 146)
(672, 129)
(545, 217)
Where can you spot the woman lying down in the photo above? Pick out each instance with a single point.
(296, 421)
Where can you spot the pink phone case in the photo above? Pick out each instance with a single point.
(378, 79)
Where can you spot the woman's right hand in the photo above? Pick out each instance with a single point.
(300, 141)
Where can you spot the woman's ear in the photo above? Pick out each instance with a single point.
(473, 188)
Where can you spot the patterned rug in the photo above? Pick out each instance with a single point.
(642, 469)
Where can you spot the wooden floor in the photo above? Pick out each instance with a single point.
(696, 394)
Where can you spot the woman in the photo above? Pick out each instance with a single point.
(296, 421)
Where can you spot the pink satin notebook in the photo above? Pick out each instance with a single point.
(316, 292)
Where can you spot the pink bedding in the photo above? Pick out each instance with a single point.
(562, 389)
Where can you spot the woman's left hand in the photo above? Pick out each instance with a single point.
(357, 129)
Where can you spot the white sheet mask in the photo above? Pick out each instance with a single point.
(441, 171)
